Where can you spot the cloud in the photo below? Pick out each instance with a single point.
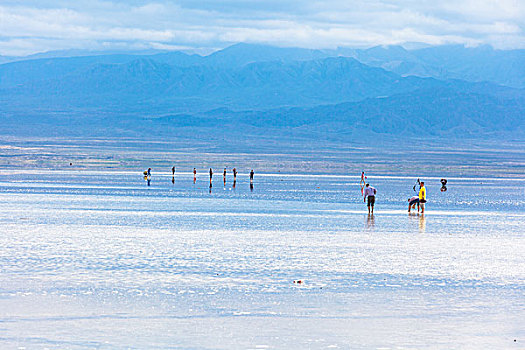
(30, 26)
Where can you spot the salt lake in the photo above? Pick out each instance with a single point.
(97, 259)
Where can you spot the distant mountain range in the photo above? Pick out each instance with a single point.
(446, 91)
(476, 64)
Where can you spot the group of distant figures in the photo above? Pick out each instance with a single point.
(420, 199)
(368, 192)
(234, 171)
(147, 176)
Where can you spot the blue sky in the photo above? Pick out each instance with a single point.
(36, 26)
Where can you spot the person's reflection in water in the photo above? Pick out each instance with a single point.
(173, 179)
(210, 186)
(370, 221)
(251, 186)
(443, 188)
(412, 217)
(234, 182)
(422, 223)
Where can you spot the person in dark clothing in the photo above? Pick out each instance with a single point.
(234, 177)
(148, 176)
(443, 185)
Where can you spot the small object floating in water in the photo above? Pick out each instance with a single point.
(298, 282)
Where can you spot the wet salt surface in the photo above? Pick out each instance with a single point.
(100, 260)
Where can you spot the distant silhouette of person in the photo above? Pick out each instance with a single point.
(251, 176)
(173, 171)
(370, 195)
(194, 175)
(211, 175)
(443, 185)
(234, 174)
(362, 181)
(148, 176)
(224, 176)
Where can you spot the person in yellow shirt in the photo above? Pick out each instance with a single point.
(422, 197)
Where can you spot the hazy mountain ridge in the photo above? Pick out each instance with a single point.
(483, 63)
(453, 61)
(420, 113)
(441, 114)
(260, 88)
(119, 84)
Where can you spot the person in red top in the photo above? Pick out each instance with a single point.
(362, 182)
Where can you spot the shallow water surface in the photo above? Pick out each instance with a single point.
(100, 260)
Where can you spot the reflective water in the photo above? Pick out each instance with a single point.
(101, 260)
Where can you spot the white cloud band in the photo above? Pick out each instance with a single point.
(49, 25)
